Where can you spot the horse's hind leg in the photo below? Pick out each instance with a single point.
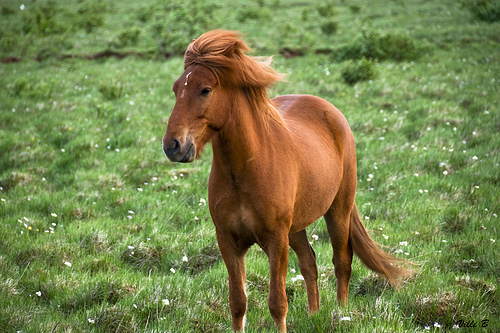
(308, 268)
(338, 222)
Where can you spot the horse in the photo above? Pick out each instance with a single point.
(278, 166)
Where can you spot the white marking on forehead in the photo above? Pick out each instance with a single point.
(187, 77)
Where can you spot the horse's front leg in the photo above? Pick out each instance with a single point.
(277, 250)
(234, 258)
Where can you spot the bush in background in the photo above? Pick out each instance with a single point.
(175, 23)
(45, 19)
(485, 10)
(358, 70)
(127, 37)
(329, 27)
(111, 90)
(91, 14)
(372, 44)
(48, 18)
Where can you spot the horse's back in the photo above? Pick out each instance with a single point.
(306, 112)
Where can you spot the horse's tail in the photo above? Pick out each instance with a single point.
(372, 256)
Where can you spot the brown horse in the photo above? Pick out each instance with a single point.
(278, 166)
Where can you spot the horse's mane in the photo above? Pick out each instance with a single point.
(223, 52)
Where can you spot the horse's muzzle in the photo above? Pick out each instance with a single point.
(177, 152)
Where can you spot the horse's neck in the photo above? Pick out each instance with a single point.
(243, 140)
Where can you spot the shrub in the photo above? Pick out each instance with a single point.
(45, 19)
(128, 37)
(326, 9)
(53, 47)
(358, 70)
(91, 14)
(329, 27)
(48, 18)
(176, 23)
(144, 13)
(371, 44)
(7, 41)
(111, 90)
(42, 89)
(484, 10)
(355, 8)
(253, 13)
(7, 10)
(18, 86)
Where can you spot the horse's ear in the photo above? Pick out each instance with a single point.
(229, 51)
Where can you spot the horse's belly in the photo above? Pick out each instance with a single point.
(318, 185)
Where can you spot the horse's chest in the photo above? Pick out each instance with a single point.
(243, 216)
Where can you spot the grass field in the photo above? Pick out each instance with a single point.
(99, 232)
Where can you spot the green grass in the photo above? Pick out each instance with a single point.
(99, 232)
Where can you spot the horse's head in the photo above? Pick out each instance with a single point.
(200, 110)
(216, 69)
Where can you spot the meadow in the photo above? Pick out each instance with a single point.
(99, 232)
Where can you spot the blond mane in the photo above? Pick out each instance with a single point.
(223, 52)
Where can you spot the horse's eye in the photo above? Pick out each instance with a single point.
(205, 91)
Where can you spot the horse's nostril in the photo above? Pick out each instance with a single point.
(174, 146)
(172, 149)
